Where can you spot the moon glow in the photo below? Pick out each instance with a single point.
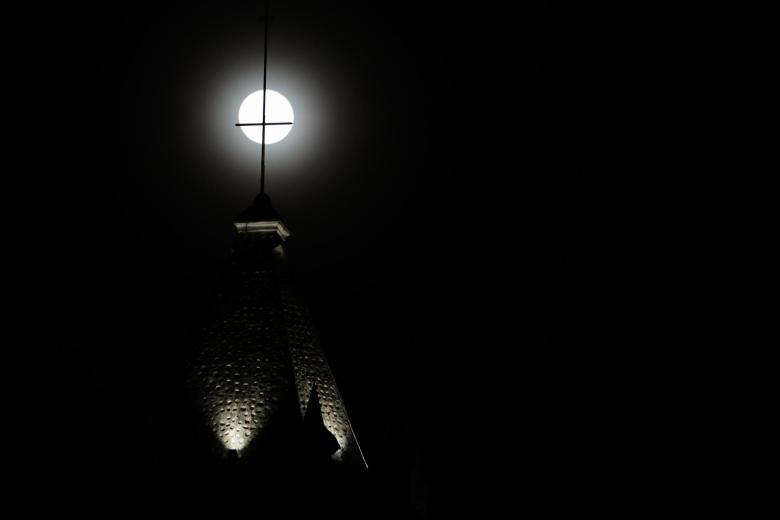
(277, 110)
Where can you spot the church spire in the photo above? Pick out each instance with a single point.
(259, 365)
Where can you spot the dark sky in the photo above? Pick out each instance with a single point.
(443, 228)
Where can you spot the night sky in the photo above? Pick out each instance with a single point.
(442, 203)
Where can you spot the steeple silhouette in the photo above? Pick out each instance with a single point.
(318, 442)
(259, 364)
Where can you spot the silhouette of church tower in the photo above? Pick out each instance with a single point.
(259, 364)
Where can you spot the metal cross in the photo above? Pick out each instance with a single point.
(263, 123)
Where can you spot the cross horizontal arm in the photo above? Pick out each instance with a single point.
(261, 124)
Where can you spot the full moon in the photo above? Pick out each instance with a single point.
(277, 110)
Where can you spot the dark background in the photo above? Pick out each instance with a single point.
(463, 284)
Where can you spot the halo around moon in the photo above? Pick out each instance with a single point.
(277, 110)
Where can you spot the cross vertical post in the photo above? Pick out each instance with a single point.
(263, 123)
(265, 79)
